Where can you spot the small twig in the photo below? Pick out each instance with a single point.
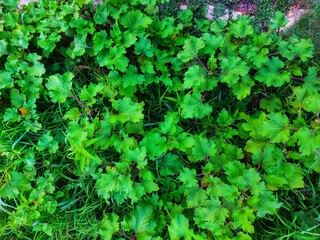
(123, 234)
(83, 67)
(272, 54)
(84, 16)
(135, 173)
(80, 102)
(134, 236)
(204, 66)
(96, 5)
(296, 78)
(203, 98)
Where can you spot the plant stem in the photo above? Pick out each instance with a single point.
(204, 66)
(81, 103)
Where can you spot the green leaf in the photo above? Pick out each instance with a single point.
(143, 47)
(113, 58)
(169, 126)
(137, 192)
(59, 87)
(212, 42)
(141, 222)
(276, 128)
(242, 236)
(253, 124)
(6, 80)
(262, 39)
(278, 21)
(148, 181)
(312, 103)
(264, 157)
(125, 188)
(122, 142)
(73, 114)
(193, 107)
(45, 227)
(46, 183)
(231, 152)
(109, 225)
(37, 68)
(271, 105)
(284, 175)
(88, 94)
(131, 77)
(185, 15)
(188, 177)
(304, 49)
(275, 182)
(15, 184)
(191, 49)
(202, 149)
(12, 115)
(242, 88)
(33, 86)
(170, 164)
(241, 177)
(179, 227)
(185, 141)
(194, 77)
(10, 19)
(230, 192)
(251, 179)
(17, 99)
(272, 74)
(268, 204)
(138, 155)
(154, 143)
(107, 184)
(224, 118)
(255, 55)
(195, 197)
(100, 41)
(308, 140)
(212, 215)
(20, 37)
(166, 27)
(285, 49)
(299, 94)
(241, 28)
(48, 43)
(218, 26)
(46, 142)
(78, 46)
(11, 5)
(135, 21)
(232, 68)
(294, 175)
(147, 67)
(128, 111)
(101, 13)
(296, 48)
(81, 25)
(243, 218)
(3, 47)
(311, 81)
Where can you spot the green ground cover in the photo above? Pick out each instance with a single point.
(133, 120)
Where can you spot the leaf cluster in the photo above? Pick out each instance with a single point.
(148, 129)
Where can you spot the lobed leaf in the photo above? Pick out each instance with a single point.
(191, 49)
(193, 107)
(59, 87)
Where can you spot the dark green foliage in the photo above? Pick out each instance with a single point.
(122, 122)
